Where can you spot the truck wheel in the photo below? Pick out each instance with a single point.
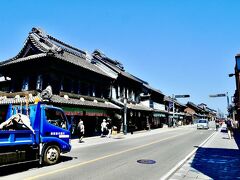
(51, 155)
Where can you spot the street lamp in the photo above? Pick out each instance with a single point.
(231, 75)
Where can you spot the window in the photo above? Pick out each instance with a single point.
(114, 94)
(118, 92)
(39, 82)
(25, 84)
(56, 117)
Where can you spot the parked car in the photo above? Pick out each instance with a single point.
(202, 124)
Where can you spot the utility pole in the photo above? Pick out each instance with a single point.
(227, 100)
(173, 97)
(125, 117)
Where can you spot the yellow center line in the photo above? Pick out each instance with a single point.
(103, 157)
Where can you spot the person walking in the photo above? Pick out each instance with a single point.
(103, 128)
(81, 130)
(131, 127)
(109, 127)
(229, 128)
(217, 124)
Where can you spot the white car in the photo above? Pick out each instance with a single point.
(202, 124)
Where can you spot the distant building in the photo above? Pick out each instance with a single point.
(200, 111)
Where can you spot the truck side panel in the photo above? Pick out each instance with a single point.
(19, 137)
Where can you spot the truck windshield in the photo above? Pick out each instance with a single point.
(56, 117)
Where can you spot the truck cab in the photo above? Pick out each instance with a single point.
(47, 136)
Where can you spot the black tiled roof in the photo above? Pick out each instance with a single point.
(62, 100)
(27, 58)
(66, 56)
(115, 67)
(153, 89)
(44, 44)
(169, 99)
(59, 100)
(195, 106)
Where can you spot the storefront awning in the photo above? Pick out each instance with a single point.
(156, 114)
(78, 111)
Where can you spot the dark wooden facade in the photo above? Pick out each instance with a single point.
(45, 61)
(236, 109)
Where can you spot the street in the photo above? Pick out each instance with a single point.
(119, 90)
(117, 158)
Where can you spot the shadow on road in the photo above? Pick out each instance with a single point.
(12, 169)
(217, 163)
(66, 158)
(236, 135)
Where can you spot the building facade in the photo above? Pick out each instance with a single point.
(78, 86)
(236, 100)
(91, 87)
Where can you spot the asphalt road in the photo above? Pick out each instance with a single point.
(118, 158)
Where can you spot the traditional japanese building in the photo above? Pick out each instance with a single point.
(154, 99)
(91, 87)
(195, 111)
(212, 114)
(175, 110)
(126, 91)
(79, 87)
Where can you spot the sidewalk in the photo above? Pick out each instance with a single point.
(219, 158)
(89, 141)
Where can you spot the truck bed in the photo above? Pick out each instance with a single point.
(17, 137)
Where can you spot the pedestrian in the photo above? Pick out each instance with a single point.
(81, 130)
(217, 124)
(174, 123)
(131, 127)
(109, 127)
(103, 128)
(229, 128)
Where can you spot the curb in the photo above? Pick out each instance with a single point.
(181, 163)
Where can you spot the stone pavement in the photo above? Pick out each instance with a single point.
(218, 158)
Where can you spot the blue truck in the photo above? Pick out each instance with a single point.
(43, 139)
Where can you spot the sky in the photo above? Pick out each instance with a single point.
(178, 47)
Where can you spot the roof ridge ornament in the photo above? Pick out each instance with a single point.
(17, 97)
(66, 97)
(46, 94)
(39, 31)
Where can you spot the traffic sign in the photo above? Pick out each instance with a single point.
(182, 96)
(217, 95)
